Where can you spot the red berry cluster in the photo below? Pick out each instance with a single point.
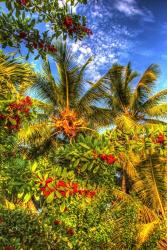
(109, 159)
(63, 187)
(22, 105)
(16, 109)
(40, 44)
(72, 27)
(160, 139)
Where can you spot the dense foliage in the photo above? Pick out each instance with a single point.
(20, 24)
(63, 185)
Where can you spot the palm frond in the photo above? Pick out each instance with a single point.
(151, 186)
(145, 86)
(14, 76)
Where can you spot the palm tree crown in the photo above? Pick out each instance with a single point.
(66, 96)
(131, 104)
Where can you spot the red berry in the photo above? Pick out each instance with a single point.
(23, 2)
(70, 231)
(35, 45)
(160, 139)
(57, 222)
(22, 35)
(2, 116)
(68, 21)
(41, 45)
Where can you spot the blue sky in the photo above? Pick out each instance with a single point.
(127, 30)
(123, 31)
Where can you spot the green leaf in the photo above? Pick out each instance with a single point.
(84, 167)
(20, 195)
(58, 194)
(62, 207)
(84, 145)
(27, 197)
(50, 198)
(34, 166)
(95, 169)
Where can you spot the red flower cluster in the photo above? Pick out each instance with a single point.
(12, 120)
(38, 45)
(73, 27)
(63, 187)
(160, 139)
(22, 105)
(110, 159)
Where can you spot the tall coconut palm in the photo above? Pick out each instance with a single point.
(67, 94)
(133, 103)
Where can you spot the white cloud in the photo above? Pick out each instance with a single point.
(130, 8)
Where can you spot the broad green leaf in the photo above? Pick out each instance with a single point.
(27, 197)
(62, 207)
(50, 198)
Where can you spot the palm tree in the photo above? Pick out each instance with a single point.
(133, 104)
(68, 99)
(147, 172)
(15, 77)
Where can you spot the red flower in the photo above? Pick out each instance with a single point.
(70, 231)
(49, 180)
(28, 100)
(82, 191)
(22, 35)
(46, 193)
(27, 110)
(75, 187)
(111, 159)
(160, 139)
(103, 157)
(63, 193)
(61, 184)
(23, 2)
(57, 222)
(91, 194)
(68, 21)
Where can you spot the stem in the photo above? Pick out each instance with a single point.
(123, 186)
(67, 91)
